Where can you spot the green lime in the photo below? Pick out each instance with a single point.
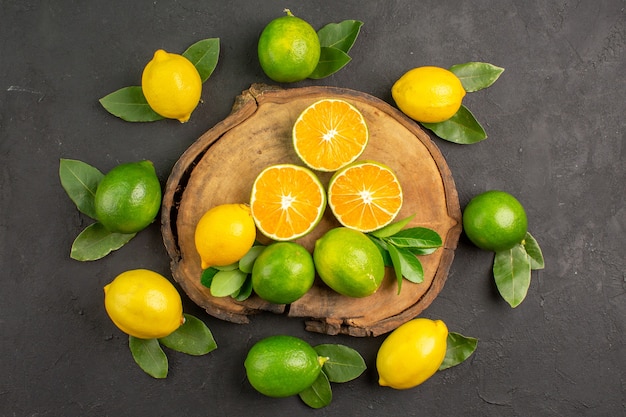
(283, 272)
(289, 49)
(495, 221)
(128, 198)
(349, 262)
(282, 366)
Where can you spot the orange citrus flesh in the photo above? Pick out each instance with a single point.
(365, 196)
(287, 201)
(329, 134)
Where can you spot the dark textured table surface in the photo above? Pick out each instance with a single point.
(555, 121)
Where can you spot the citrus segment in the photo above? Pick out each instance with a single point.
(330, 134)
(365, 196)
(287, 201)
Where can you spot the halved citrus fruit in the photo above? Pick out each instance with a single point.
(329, 134)
(287, 201)
(365, 195)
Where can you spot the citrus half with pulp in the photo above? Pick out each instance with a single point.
(330, 134)
(287, 201)
(365, 195)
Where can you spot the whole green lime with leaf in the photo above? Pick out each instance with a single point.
(496, 221)
(290, 50)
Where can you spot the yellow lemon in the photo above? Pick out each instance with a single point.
(172, 85)
(224, 234)
(143, 304)
(412, 353)
(428, 94)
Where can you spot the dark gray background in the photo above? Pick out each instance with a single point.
(556, 141)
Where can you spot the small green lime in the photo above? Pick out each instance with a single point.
(495, 221)
(283, 272)
(282, 366)
(288, 49)
(349, 262)
(128, 198)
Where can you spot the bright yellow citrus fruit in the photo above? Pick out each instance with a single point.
(428, 94)
(128, 198)
(172, 85)
(143, 304)
(224, 234)
(287, 201)
(349, 262)
(282, 366)
(288, 49)
(283, 273)
(330, 134)
(495, 221)
(412, 353)
(365, 195)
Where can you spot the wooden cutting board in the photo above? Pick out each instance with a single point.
(222, 164)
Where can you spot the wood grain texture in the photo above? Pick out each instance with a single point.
(222, 164)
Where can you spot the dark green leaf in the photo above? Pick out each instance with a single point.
(80, 181)
(534, 251)
(207, 276)
(149, 356)
(396, 262)
(416, 237)
(247, 262)
(96, 242)
(192, 338)
(476, 75)
(129, 104)
(227, 282)
(392, 228)
(245, 291)
(458, 349)
(204, 55)
(319, 394)
(340, 35)
(511, 270)
(421, 251)
(331, 61)
(411, 267)
(462, 128)
(344, 363)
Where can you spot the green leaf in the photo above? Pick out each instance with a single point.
(148, 354)
(411, 267)
(247, 262)
(344, 363)
(475, 76)
(331, 61)
(511, 270)
(129, 104)
(319, 394)
(192, 338)
(245, 291)
(396, 262)
(204, 55)
(227, 282)
(230, 267)
(534, 252)
(462, 128)
(80, 181)
(392, 228)
(382, 248)
(416, 237)
(421, 251)
(95, 242)
(340, 35)
(207, 276)
(458, 349)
